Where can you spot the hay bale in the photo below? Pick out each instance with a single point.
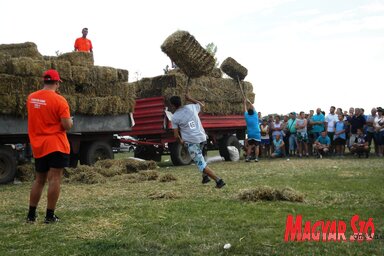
(4, 59)
(25, 66)
(133, 165)
(289, 194)
(188, 54)
(259, 193)
(163, 195)
(216, 73)
(64, 69)
(233, 69)
(167, 178)
(25, 172)
(27, 49)
(122, 75)
(81, 75)
(78, 58)
(10, 84)
(104, 74)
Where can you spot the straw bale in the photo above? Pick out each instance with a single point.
(9, 83)
(8, 104)
(25, 66)
(4, 59)
(78, 58)
(188, 54)
(164, 195)
(216, 72)
(84, 174)
(111, 105)
(27, 49)
(233, 69)
(81, 75)
(72, 102)
(64, 69)
(122, 75)
(25, 172)
(104, 74)
(167, 177)
(132, 165)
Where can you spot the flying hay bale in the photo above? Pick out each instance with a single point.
(188, 54)
(27, 49)
(233, 69)
(25, 172)
(266, 193)
(167, 178)
(78, 58)
(163, 195)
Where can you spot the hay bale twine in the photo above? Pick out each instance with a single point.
(188, 54)
(233, 69)
(27, 49)
(78, 58)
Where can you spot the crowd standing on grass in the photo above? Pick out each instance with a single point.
(318, 134)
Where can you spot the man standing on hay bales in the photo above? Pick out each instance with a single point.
(253, 130)
(83, 44)
(48, 120)
(186, 121)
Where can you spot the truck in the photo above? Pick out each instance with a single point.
(91, 139)
(153, 130)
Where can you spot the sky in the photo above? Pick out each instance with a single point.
(300, 54)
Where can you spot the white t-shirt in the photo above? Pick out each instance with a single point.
(331, 120)
(187, 120)
(376, 122)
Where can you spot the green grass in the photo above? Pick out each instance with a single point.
(119, 218)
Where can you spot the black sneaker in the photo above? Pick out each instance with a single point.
(51, 219)
(205, 180)
(220, 183)
(248, 159)
(31, 219)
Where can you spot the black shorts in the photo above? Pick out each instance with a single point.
(339, 141)
(254, 142)
(53, 160)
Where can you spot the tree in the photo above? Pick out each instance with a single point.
(212, 49)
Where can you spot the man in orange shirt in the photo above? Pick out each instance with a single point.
(82, 44)
(48, 120)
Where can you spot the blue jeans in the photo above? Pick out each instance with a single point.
(292, 142)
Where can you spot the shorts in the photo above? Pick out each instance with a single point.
(253, 142)
(278, 153)
(302, 137)
(196, 153)
(55, 159)
(265, 142)
(380, 138)
(340, 141)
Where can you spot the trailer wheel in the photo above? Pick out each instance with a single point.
(224, 143)
(7, 165)
(97, 150)
(147, 153)
(179, 154)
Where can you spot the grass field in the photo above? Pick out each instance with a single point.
(120, 218)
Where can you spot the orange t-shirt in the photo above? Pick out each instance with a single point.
(83, 44)
(46, 134)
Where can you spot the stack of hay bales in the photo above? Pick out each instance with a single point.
(221, 96)
(89, 89)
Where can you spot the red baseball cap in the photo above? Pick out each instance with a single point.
(51, 75)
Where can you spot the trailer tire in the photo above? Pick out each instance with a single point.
(7, 165)
(147, 153)
(224, 143)
(179, 154)
(95, 151)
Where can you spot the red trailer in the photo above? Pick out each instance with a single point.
(153, 130)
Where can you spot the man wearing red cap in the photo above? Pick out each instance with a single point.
(82, 44)
(48, 120)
